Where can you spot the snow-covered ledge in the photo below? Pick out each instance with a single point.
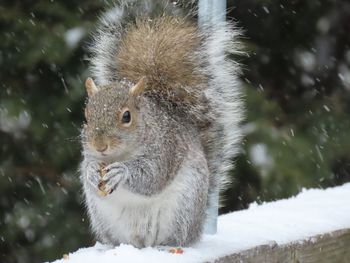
(311, 227)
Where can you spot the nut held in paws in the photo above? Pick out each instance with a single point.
(102, 170)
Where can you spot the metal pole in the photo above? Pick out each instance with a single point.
(210, 12)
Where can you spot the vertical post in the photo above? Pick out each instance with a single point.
(211, 221)
(211, 12)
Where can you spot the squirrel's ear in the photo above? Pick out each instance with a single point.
(139, 87)
(90, 87)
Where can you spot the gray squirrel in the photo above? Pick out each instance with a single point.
(162, 123)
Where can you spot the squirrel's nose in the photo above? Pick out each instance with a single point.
(101, 148)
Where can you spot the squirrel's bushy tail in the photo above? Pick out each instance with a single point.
(154, 38)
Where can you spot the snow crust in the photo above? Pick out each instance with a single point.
(311, 212)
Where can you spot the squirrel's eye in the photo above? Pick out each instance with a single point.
(126, 118)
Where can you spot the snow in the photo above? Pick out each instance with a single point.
(14, 124)
(310, 213)
(260, 156)
(73, 36)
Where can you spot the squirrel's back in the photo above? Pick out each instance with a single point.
(183, 64)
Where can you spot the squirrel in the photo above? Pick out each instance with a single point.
(163, 117)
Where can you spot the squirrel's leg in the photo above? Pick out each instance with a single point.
(148, 176)
(190, 214)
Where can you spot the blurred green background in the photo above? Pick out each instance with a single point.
(297, 84)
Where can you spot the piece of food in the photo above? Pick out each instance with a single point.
(65, 256)
(102, 170)
(102, 186)
(102, 193)
(177, 250)
(102, 189)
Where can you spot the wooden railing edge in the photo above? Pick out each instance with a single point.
(333, 247)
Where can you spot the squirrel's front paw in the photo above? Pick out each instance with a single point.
(115, 173)
(93, 174)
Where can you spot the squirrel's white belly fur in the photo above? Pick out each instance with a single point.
(143, 220)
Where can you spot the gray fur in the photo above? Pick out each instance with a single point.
(162, 170)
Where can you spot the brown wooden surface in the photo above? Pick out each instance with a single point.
(328, 248)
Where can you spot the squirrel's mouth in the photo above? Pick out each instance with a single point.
(104, 153)
(104, 156)
(107, 153)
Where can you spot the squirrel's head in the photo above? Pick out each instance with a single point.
(114, 125)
